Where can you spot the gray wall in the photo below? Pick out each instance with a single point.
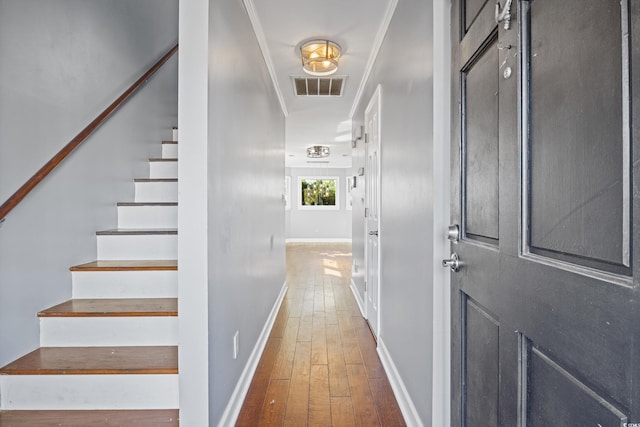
(246, 261)
(404, 69)
(63, 62)
(306, 224)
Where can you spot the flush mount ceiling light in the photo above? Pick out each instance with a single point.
(320, 57)
(318, 151)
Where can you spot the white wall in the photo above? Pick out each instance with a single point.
(404, 69)
(193, 274)
(318, 225)
(63, 62)
(441, 410)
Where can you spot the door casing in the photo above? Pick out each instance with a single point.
(373, 286)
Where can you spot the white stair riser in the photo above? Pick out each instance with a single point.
(169, 151)
(137, 247)
(147, 217)
(89, 391)
(156, 192)
(163, 170)
(124, 284)
(108, 331)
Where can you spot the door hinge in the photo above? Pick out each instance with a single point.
(366, 138)
(366, 212)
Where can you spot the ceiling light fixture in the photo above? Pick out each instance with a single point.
(318, 151)
(320, 57)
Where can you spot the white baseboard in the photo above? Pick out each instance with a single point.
(318, 240)
(359, 300)
(231, 412)
(407, 407)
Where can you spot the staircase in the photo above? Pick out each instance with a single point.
(109, 356)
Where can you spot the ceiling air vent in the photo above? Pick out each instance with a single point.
(318, 86)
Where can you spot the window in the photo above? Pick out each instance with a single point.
(318, 192)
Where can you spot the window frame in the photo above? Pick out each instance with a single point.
(301, 206)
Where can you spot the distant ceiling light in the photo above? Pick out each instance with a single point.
(320, 57)
(318, 151)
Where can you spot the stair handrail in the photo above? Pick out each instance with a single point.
(45, 170)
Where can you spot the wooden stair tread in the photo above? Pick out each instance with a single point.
(162, 159)
(127, 265)
(155, 180)
(147, 204)
(99, 418)
(137, 232)
(169, 142)
(95, 361)
(134, 307)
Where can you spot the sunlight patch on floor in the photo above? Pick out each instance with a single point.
(330, 263)
(332, 272)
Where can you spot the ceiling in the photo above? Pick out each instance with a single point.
(358, 26)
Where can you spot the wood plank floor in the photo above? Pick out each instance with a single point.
(158, 360)
(138, 418)
(320, 366)
(121, 307)
(127, 265)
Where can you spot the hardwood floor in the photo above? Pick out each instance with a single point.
(159, 360)
(320, 366)
(138, 418)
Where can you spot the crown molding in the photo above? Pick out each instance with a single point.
(377, 44)
(262, 42)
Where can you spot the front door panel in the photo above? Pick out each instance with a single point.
(579, 136)
(480, 143)
(476, 327)
(545, 313)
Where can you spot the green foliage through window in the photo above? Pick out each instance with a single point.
(318, 192)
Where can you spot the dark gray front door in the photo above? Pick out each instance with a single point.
(545, 149)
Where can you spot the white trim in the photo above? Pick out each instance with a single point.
(441, 370)
(89, 392)
(359, 300)
(348, 197)
(377, 44)
(401, 393)
(193, 294)
(231, 412)
(374, 102)
(287, 193)
(319, 240)
(262, 42)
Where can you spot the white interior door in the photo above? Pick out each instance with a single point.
(372, 212)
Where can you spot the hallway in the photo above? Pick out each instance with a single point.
(320, 365)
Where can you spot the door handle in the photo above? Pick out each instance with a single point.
(503, 15)
(453, 263)
(373, 233)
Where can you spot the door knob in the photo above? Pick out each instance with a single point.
(453, 263)
(373, 233)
